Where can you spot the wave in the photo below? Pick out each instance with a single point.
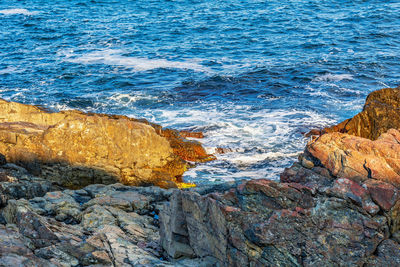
(128, 99)
(9, 70)
(333, 77)
(18, 11)
(259, 157)
(116, 58)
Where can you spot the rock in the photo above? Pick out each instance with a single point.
(189, 150)
(15, 251)
(127, 201)
(265, 223)
(58, 230)
(76, 149)
(316, 179)
(56, 256)
(191, 134)
(95, 217)
(380, 114)
(174, 232)
(383, 194)
(3, 160)
(16, 183)
(347, 189)
(359, 158)
(388, 254)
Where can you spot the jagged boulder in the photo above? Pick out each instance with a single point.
(75, 149)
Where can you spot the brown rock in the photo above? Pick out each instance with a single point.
(380, 113)
(359, 158)
(76, 149)
(191, 134)
(187, 150)
(383, 194)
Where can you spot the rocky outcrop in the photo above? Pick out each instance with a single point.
(359, 158)
(98, 225)
(309, 219)
(381, 113)
(75, 149)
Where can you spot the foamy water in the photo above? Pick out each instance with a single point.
(17, 11)
(333, 77)
(116, 58)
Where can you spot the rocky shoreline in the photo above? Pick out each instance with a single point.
(70, 195)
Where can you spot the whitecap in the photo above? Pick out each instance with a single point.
(128, 99)
(259, 157)
(116, 58)
(18, 11)
(9, 70)
(333, 77)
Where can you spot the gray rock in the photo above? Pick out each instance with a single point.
(388, 254)
(96, 217)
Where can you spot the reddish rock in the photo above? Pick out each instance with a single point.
(267, 223)
(383, 194)
(347, 189)
(359, 158)
(189, 150)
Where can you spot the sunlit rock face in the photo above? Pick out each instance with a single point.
(359, 158)
(75, 149)
(380, 114)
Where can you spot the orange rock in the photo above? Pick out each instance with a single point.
(358, 158)
(74, 148)
(380, 114)
(186, 134)
(186, 149)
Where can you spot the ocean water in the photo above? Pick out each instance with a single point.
(252, 75)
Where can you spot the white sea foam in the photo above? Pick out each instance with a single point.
(333, 77)
(9, 70)
(252, 139)
(18, 11)
(259, 157)
(116, 58)
(129, 99)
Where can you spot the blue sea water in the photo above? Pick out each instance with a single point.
(252, 75)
